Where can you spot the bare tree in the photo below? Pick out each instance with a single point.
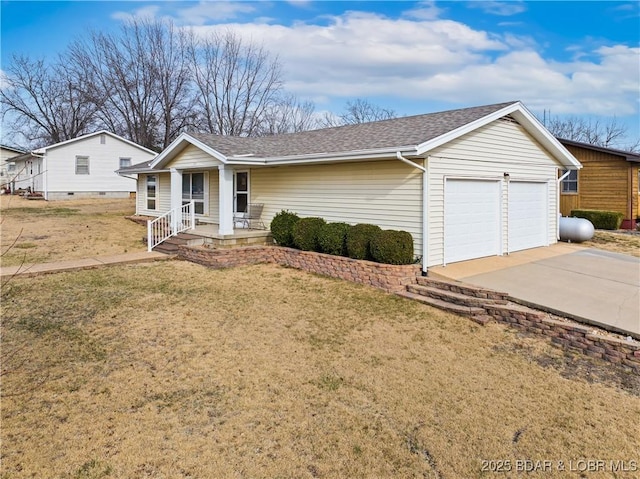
(608, 134)
(142, 76)
(288, 115)
(46, 103)
(358, 111)
(237, 83)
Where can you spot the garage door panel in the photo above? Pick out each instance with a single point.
(528, 215)
(472, 219)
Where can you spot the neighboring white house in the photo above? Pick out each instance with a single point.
(83, 167)
(7, 152)
(465, 183)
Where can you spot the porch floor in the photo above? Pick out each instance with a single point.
(240, 236)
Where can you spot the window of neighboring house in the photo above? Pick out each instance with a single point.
(103, 139)
(151, 191)
(124, 162)
(11, 167)
(570, 183)
(82, 165)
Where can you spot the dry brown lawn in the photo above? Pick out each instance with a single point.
(172, 370)
(625, 243)
(47, 231)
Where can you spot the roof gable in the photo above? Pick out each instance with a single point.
(90, 135)
(412, 135)
(627, 155)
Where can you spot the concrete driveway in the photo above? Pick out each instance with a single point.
(590, 285)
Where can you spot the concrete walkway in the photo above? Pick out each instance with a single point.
(589, 285)
(82, 263)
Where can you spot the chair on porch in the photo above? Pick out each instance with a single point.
(251, 218)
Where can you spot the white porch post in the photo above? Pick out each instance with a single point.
(225, 200)
(176, 198)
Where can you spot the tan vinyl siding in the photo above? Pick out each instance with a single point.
(163, 195)
(193, 158)
(214, 197)
(385, 193)
(489, 152)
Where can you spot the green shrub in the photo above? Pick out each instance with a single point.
(333, 238)
(359, 240)
(602, 220)
(282, 227)
(392, 247)
(306, 233)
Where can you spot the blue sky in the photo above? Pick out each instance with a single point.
(575, 58)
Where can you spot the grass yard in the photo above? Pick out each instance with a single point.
(171, 370)
(44, 232)
(624, 243)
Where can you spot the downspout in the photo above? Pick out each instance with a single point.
(559, 185)
(425, 209)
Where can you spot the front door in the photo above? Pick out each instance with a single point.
(193, 189)
(240, 191)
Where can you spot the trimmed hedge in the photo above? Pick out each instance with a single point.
(602, 220)
(359, 240)
(306, 233)
(333, 238)
(392, 247)
(282, 227)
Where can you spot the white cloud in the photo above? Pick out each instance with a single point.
(504, 9)
(419, 61)
(206, 11)
(426, 10)
(148, 12)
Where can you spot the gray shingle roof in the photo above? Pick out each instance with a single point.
(405, 131)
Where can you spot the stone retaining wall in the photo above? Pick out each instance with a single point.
(388, 277)
(570, 336)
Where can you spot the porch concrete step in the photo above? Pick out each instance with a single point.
(452, 297)
(496, 297)
(170, 245)
(469, 311)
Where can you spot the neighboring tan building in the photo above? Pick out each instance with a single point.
(609, 180)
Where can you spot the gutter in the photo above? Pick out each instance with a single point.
(425, 209)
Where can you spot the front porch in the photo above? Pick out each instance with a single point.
(209, 232)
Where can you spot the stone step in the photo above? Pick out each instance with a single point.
(466, 289)
(468, 311)
(451, 297)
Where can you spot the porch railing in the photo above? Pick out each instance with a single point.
(170, 224)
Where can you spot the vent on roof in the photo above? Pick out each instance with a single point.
(508, 119)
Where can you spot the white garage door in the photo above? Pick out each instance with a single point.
(528, 215)
(471, 219)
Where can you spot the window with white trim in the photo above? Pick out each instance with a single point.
(570, 183)
(152, 182)
(124, 162)
(82, 165)
(193, 189)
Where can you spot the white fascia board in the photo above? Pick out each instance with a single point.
(525, 118)
(178, 144)
(544, 137)
(89, 135)
(362, 155)
(464, 129)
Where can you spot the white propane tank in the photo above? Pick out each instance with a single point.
(575, 229)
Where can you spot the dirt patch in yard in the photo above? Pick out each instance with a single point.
(174, 370)
(49, 231)
(617, 242)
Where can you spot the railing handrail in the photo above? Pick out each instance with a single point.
(170, 224)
